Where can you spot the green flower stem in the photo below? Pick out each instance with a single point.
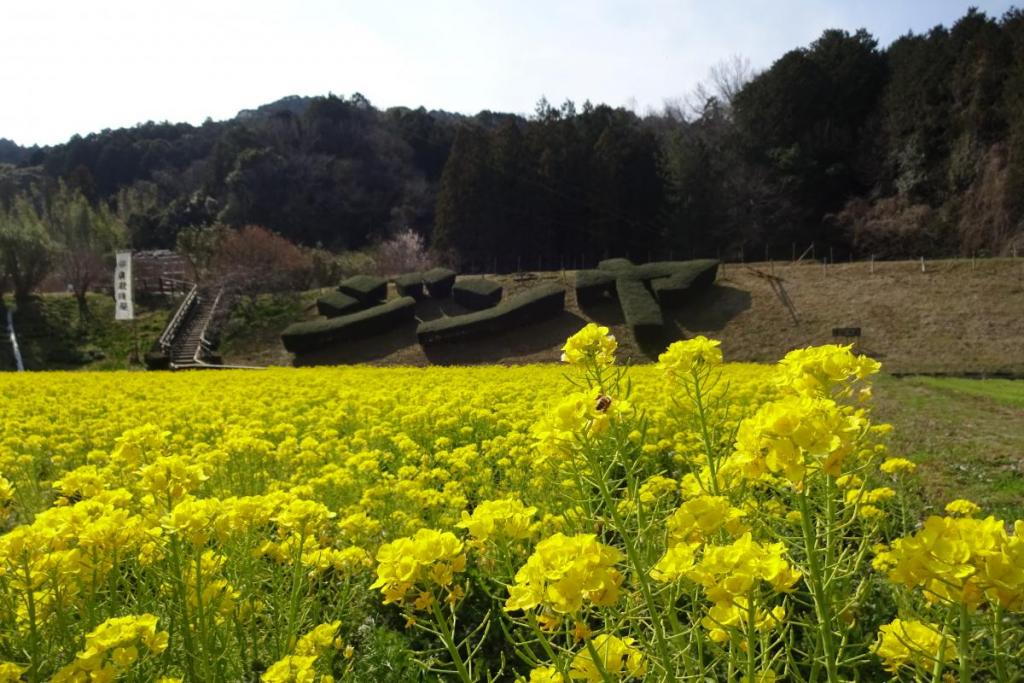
(33, 670)
(963, 644)
(751, 638)
(939, 665)
(448, 639)
(186, 627)
(598, 662)
(541, 638)
(294, 594)
(997, 644)
(698, 401)
(821, 599)
(640, 575)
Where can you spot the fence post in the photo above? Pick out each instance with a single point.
(922, 264)
(793, 249)
(872, 264)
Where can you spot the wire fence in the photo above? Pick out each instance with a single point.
(829, 264)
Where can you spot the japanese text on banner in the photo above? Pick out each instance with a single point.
(124, 308)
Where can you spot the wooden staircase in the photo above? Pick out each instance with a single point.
(190, 347)
(185, 340)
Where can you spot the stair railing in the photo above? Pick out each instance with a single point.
(166, 339)
(204, 343)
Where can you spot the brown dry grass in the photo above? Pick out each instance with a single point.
(953, 318)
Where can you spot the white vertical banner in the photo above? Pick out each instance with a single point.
(124, 307)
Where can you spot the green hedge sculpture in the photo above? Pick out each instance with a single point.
(315, 334)
(533, 305)
(476, 293)
(439, 282)
(334, 304)
(367, 289)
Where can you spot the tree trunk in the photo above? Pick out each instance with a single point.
(84, 314)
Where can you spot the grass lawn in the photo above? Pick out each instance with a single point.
(967, 436)
(252, 333)
(53, 336)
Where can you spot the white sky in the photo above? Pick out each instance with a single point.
(79, 66)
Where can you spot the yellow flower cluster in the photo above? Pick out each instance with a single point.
(615, 657)
(913, 644)
(505, 519)
(697, 520)
(591, 345)
(682, 357)
(822, 370)
(564, 572)
(896, 466)
(797, 434)
(427, 559)
(6, 498)
(300, 666)
(113, 647)
(731, 574)
(961, 560)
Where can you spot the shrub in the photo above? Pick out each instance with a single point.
(439, 282)
(674, 290)
(593, 286)
(356, 263)
(476, 293)
(367, 289)
(535, 304)
(307, 336)
(640, 308)
(410, 284)
(334, 304)
(326, 267)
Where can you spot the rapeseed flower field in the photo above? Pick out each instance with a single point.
(693, 520)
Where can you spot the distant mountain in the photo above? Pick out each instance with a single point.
(912, 150)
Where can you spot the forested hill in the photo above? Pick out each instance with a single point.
(916, 148)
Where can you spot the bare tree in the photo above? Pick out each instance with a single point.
(254, 260)
(405, 252)
(724, 81)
